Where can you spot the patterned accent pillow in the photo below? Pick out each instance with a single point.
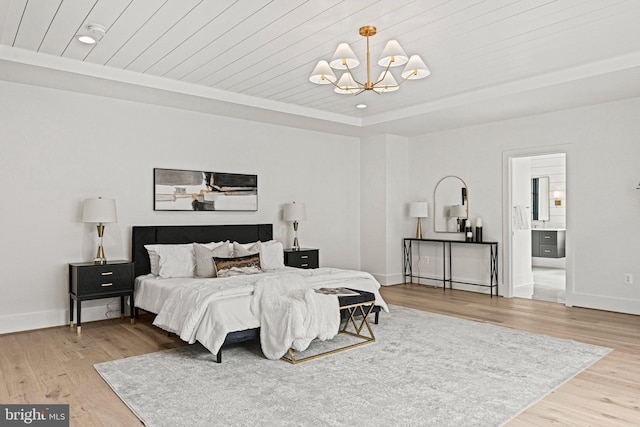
(248, 264)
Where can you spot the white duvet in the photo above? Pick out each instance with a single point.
(206, 310)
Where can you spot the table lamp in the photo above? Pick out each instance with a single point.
(100, 211)
(419, 210)
(295, 212)
(459, 212)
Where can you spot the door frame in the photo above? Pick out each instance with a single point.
(507, 223)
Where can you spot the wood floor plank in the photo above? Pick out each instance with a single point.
(55, 365)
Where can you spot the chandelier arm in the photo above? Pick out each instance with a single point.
(405, 79)
(333, 83)
(338, 86)
(352, 77)
(384, 75)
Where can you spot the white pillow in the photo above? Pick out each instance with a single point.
(271, 255)
(176, 260)
(245, 249)
(204, 257)
(154, 258)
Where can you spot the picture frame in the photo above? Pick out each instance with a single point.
(193, 190)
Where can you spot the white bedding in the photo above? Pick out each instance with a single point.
(206, 310)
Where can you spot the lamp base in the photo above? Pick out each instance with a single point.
(100, 259)
(296, 245)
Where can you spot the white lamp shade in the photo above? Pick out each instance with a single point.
(343, 54)
(457, 211)
(393, 51)
(295, 212)
(415, 69)
(99, 211)
(322, 74)
(346, 85)
(419, 209)
(386, 83)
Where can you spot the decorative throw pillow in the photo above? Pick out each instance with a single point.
(248, 264)
(204, 257)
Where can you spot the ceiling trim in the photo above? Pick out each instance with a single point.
(73, 67)
(541, 81)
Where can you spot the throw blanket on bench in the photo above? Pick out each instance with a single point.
(292, 315)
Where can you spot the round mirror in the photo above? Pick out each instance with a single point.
(451, 205)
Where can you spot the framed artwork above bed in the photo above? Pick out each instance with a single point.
(189, 190)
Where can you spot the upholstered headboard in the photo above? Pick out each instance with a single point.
(175, 234)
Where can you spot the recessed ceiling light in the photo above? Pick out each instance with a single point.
(92, 35)
(361, 106)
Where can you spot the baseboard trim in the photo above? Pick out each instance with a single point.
(599, 302)
(388, 280)
(51, 318)
(523, 291)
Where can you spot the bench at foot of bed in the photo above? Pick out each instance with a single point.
(251, 334)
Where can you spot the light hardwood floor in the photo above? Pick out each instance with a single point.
(55, 366)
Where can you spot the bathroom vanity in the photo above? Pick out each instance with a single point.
(547, 243)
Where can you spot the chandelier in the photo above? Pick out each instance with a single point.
(344, 59)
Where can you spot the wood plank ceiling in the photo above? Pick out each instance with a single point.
(267, 49)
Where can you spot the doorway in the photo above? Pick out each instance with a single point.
(537, 263)
(549, 223)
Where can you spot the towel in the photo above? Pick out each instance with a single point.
(521, 220)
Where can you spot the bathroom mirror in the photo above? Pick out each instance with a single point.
(451, 205)
(540, 198)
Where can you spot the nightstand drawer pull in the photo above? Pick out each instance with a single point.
(104, 285)
(304, 256)
(304, 265)
(107, 273)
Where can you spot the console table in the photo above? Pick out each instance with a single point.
(447, 258)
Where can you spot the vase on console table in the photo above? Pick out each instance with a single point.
(479, 230)
(467, 231)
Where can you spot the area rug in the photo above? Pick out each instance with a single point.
(424, 369)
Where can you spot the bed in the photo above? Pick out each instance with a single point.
(225, 317)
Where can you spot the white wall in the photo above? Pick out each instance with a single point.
(603, 226)
(59, 148)
(384, 197)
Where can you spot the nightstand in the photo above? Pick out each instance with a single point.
(88, 281)
(301, 258)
